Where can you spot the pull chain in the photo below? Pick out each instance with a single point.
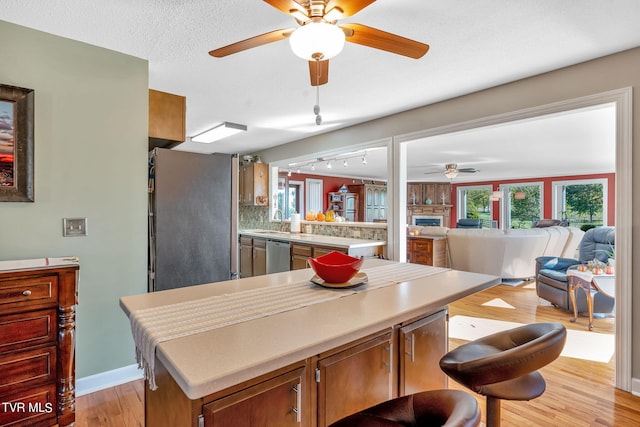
(316, 108)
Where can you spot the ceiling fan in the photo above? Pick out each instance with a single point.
(451, 170)
(318, 37)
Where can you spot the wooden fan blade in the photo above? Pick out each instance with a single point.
(378, 39)
(349, 7)
(468, 170)
(256, 41)
(319, 72)
(286, 6)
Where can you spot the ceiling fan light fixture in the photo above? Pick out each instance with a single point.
(317, 41)
(223, 130)
(451, 173)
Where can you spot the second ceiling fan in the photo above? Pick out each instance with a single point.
(319, 38)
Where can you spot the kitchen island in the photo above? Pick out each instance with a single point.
(308, 365)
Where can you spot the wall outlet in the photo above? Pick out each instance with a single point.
(72, 227)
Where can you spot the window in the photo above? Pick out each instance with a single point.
(522, 205)
(581, 201)
(289, 196)
(315, 195)
(473, 202)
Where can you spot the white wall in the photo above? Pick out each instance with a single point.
(90, 161)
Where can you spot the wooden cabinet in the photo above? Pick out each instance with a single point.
(259, 257)
(275, 402)
(37, 327)
(422, 344)
(166, 119)
(344, 204)
(253, 184)
(427, 251)
(372, 202)
(246, 257)
(355, 378)
(299, 255)
(420, 193)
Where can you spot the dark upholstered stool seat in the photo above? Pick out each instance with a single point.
(450, 408)
(504, 365)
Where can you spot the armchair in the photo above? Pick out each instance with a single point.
(552, 283)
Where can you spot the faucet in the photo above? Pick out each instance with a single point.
(275, 215)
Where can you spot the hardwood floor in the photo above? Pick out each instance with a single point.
(579, 392)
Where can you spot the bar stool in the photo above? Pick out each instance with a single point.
(450, 408)
(504, 365)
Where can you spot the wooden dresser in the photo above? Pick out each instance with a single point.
(37, 342)
(427, 250)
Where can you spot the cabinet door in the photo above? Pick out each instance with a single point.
(246, 257)
(259, 257)
(414, 194)
(275, 403)
(299, 256)
(422, 345)
(355, 379)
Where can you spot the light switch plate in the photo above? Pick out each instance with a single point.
(72, 227)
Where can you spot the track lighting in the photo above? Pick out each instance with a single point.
(345, 163)
(289, 174)
(313, 166)
(328, 164)
(364, 160)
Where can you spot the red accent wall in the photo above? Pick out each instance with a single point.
(330, 184)
(547, 193)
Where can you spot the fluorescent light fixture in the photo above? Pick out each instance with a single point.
(219, 132)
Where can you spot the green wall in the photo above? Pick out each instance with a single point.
(90, 161)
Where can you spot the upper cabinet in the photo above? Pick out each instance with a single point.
(372, 202)
(166, 119)
(436, 193)
(253, 184)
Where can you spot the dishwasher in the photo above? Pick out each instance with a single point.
(278, 256)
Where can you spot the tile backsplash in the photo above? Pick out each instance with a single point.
(257, 217)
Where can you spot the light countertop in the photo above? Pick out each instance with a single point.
(313, 239)
(211, 361)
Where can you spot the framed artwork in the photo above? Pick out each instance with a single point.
(16, 144)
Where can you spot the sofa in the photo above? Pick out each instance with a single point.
(509, 254)
(552, 283)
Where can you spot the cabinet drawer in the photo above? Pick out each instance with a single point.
(27, 368)
(34, 407)
(302, 250)
(246, 241)
(27, 329)
(259, 243)
(28, 293)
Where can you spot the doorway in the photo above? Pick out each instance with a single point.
(623, 195)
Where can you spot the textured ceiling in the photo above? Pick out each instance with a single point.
(474, 45)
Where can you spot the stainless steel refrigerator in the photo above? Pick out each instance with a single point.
(192, 218)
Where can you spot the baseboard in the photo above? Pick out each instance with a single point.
(107, 379)
(635, 386)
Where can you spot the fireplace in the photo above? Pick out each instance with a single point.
(427, 220)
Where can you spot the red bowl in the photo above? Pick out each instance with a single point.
(336, 267)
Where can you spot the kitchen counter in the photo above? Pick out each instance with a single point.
(314, 239)
(211, 361)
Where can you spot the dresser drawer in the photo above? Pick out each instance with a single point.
(28, 293)
(29, 408)
(27, 329)
(27, 368)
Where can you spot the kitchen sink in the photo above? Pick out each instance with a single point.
(272, 232)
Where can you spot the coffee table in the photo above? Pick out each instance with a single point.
(605, 283)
